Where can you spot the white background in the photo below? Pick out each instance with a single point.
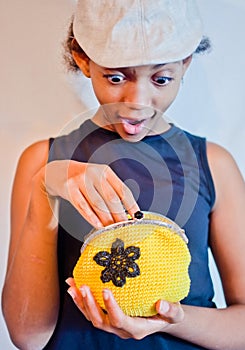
(37, 99)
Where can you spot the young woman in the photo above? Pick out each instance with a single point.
(126, 158)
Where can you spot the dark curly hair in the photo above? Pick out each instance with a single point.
(70, 44)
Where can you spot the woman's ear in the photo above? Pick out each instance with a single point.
(82, 61)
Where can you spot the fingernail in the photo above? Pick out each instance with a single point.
(67, 281)
(98, 224)
(71, 292)
(106, 294)
(83, 292)
(164, 306)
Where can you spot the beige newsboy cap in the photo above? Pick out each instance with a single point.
(124, 33)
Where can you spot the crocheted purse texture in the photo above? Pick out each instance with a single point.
(140, 261)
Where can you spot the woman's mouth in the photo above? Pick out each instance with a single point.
(132, 127)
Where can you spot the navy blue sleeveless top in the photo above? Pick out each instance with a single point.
(168, 174)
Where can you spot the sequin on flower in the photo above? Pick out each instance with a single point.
(120, 263)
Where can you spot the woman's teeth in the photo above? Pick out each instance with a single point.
(135, 122)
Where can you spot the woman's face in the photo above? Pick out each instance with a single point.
(134, 99)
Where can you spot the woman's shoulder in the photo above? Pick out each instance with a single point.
(37, 150)
(34, 157)
(220, 159)
(225, 172)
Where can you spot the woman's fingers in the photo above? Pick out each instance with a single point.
(77, 297)
(82, 205)
(125, 195)
(92, 309)
(130, 327)
(170, 312)
(105, 203)
(116, 316)
(115, 196)
(94, 190)
(113, 320)
(112, 202)
(100, 196)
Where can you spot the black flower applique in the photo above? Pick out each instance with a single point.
(120, 263)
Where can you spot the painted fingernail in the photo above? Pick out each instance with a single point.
(67, 281)
(106, 294)
(71, 292)
(164, 307)
(98, 224)
(83, 292)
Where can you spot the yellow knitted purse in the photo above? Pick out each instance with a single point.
(140, 261)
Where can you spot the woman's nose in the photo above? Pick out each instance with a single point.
(137, 95)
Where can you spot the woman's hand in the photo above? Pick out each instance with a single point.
(93, 189)
(115, 321)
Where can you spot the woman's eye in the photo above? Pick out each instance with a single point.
(115, 78)
(162, 80)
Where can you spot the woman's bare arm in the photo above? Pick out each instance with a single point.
(223, 329)
(31, 293)
(30, 296)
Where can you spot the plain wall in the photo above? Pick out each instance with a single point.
(37, 100)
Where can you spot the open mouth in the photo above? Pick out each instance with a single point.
(135, 122)
(132, 127)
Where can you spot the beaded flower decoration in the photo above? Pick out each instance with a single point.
(120, 263)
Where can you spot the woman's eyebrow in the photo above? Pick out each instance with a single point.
(131, 70)
(160, 65)
(156, 66)
(122, 69)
